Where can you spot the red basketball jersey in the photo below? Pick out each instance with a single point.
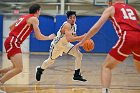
(125, 18)
(21, 30)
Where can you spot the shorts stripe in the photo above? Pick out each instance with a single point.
(16, 43)
(117, 43)
(10, 44)
(123, 40)
(136, 54)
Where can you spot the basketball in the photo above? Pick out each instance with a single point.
(88, 45)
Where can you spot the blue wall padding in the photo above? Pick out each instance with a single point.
(60, 19)
(1, 32)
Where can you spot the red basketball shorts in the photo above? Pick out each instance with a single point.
(12, 46)
(128, 43)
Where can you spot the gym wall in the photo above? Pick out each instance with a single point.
(1, 32)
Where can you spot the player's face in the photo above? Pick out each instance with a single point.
(72, 19)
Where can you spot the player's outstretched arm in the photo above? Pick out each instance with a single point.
(95, 28)
(109, 12)
(35, 22)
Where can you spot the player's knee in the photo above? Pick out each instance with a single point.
(79, 55)
(52, 61)
(107, 66)
(18, 70)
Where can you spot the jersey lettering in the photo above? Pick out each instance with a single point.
(19, 21)
(128, 14)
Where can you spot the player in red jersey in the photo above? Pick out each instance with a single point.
(19, 31)
(125, 20)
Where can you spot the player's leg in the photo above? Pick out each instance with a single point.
(78, 58)
(137, 65)
(45, 65)
(8, 47)
(55, 52)
(18, 67)
(107, 67)
(117, 54)
(136, 56)
(4, 70)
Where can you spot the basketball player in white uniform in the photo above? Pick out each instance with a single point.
(61, 44)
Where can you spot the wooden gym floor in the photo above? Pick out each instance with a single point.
(58, 77)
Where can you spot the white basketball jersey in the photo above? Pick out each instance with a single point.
(60, 39)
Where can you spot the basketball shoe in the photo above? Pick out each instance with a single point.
(39, 72)
(79, 78)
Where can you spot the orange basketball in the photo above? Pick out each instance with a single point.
(88, 45)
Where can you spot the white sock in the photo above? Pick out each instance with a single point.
(105, 90)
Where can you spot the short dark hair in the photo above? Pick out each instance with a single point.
(69, 13)
(34, 8)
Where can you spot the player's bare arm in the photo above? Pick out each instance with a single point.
(35, 23)
(71, 38)
(106, 14)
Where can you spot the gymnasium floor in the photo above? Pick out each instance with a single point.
(58, 77)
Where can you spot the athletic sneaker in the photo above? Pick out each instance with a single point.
(105, 90)
(79, 77)
(39, 72)
(1, 91)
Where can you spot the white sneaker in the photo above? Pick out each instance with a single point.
(105, 90)
(1, 91)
